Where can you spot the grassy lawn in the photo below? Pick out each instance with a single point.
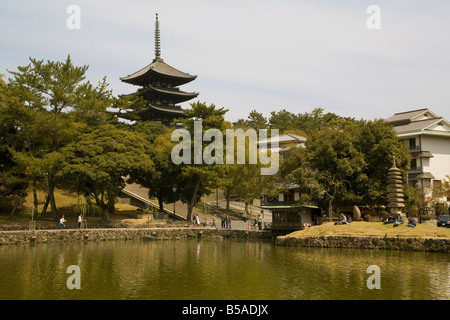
(67, 205)
(372, 229)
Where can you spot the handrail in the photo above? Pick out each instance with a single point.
(154, 205)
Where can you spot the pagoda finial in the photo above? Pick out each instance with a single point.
(157, 40)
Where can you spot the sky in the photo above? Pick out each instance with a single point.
(297, 55)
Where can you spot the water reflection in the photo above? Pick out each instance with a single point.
(217, 269)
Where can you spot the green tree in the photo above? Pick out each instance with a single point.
(99, 163)
(46, 94)
(379, 144)
(199, 178)
(345, 162)
(166, 175)
(282, 120)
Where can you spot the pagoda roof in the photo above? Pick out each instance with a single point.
(157, 67)
(176, 94)
(167, 109)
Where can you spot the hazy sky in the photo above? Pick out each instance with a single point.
(253, 54)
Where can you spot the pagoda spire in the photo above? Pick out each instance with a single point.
(157, 40)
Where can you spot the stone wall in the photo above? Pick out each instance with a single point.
(46, 236)
(384, 243)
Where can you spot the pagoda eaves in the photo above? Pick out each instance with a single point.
(158, 68)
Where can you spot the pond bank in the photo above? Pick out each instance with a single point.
(73, 235)
(381, 243)
(108, 234)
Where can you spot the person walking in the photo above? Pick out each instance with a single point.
(226, 221)
(214, 221)
(197, 220)
(229, 222)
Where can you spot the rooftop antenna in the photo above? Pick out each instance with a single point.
(157, 40)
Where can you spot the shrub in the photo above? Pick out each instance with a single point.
(413, 211)
(384, 213)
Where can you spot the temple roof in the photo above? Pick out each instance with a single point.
(158, 67)
(167, 109)
(175, 94)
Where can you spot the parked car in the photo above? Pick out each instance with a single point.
(443, 221)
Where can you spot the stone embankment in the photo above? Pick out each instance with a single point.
(72, 235)
(383, 243)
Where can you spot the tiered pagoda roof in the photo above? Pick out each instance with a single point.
(159, 87)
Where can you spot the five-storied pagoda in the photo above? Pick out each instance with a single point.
(159, 87)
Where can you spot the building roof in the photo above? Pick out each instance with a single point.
(422, 175)
(167, 109)
(175, 94)
(286, 205)
(422, 154)
(409, 116)
(287, 137)
(157, 67)
(421, 121)
(424, 126)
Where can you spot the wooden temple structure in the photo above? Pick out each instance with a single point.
(159, 84)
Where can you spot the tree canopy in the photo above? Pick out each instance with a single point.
(57, 129)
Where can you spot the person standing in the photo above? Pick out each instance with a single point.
(80, 219)
(260, 222)
(197, 220)
(226, 221)
(214, 221)
(229, 222)
(61, 222)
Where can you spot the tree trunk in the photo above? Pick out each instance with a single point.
(109, 208)
(44, 209)
(51, 195)
(228, 202)
(330, 208)
(192, 203)
(19, 200)
(161, 204)
(35, 199)
(105, 210)
(89, 204)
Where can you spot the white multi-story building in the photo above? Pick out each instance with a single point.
(428, 138)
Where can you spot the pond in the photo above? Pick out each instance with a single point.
(217, 269)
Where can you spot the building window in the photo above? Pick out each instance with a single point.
(413, 164)
(412, 143)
